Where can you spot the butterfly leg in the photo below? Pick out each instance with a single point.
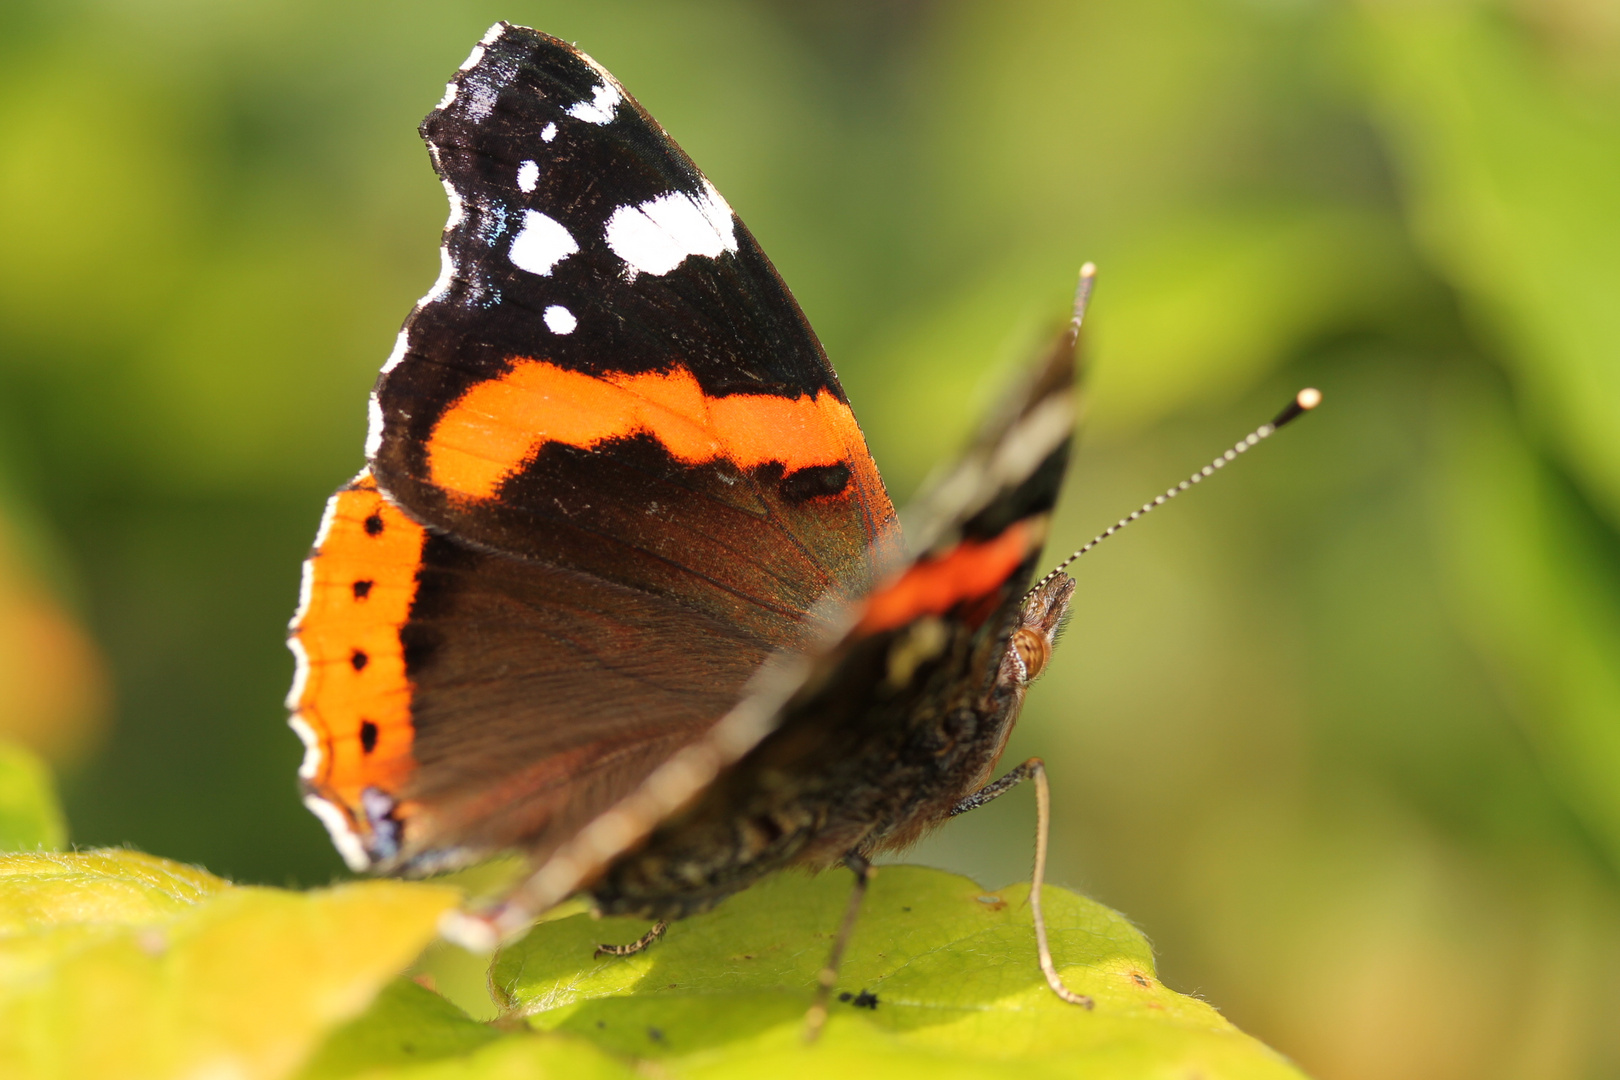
(637, 945)
(1034, 769)
(828, 976)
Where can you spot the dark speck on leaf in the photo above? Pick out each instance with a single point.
(845, 996)
(865, 1000)
(601, 1023)
(905, 909)
(655, 1035)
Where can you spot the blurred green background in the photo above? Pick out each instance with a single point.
(1340, 731)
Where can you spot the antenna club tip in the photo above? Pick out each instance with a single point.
(1308, 398)
(1082, 295)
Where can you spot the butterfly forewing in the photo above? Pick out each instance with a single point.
(610, 376)
(611, 472)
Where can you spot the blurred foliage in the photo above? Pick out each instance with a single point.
(53, 685)
(1342, 732)
(30, 818)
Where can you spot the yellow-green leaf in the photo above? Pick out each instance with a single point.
(407, 1024)
(951, 967)
(115, 964)
(107, 886)
(523, 1057)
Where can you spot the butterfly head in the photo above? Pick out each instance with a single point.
(1040, 622)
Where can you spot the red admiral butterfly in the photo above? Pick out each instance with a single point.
(620, 588)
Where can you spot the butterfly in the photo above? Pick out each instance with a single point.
(620, 588)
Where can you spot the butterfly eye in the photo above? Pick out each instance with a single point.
(1033, 649)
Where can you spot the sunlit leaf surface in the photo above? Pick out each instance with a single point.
(117, 964)
(941, 975)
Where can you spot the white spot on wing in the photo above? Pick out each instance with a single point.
(659, 235)
(548, 132)
(300, 677)
(541, 244)
(560, 320)
(306, 593)
(447, 274)
(456, 209)
(449, 96)
(374, 426)
(402, 345)
(343, 837)
(605, 98)
(491, 36)
(528, 175)
(312, 747)
(328, 516)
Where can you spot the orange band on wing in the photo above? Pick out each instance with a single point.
(354, 696)
(971, 569)
(498, 425)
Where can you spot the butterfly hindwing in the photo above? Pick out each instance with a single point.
(457, 702)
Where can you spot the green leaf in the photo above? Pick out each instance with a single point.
(953, 969)
(522, 1057)
(115, 963)
(407, 1024)
(30, 817)
(410, 1031)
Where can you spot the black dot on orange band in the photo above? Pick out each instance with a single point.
(359, 659)
(374, 525)
(815, 481)
(362, 589)
(368, 736)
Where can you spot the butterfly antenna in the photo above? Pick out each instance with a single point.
(1082, 298)
(1303, 402)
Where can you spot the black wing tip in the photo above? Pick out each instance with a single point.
(502, 44)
